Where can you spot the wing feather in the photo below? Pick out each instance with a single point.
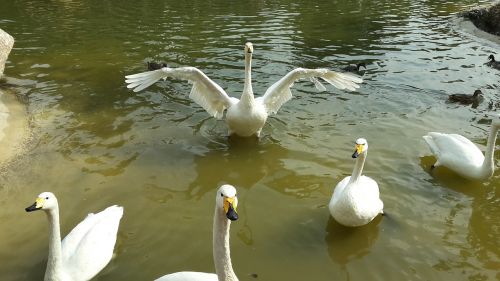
(88, 248)
(204, 92)
(279, 92)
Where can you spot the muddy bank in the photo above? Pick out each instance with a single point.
(486, 18)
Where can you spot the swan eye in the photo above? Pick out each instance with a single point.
(221, 195)
(46, 198)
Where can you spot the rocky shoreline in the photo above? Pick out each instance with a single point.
(486, 18)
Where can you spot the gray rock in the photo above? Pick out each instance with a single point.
(6, 44)
(486, 18)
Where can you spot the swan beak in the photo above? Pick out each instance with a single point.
(36, 206)
(230, 205)
(248, 48)
(357, 152)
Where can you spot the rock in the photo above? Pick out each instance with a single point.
(6, 44)
(485, 18)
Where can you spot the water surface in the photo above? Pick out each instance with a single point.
(158, 154)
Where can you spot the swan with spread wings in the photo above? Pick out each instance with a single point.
(245, 116)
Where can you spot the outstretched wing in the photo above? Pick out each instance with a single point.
(205, 92)
(88, 248)
(279, 92)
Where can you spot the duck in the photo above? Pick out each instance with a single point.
(492, 62)
(475, 98)
(462, 156)
(246, 116)
(356, 199)
(155, 65)
(354, 67)
(87, 249)
(226, 203)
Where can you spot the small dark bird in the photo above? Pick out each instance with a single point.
(493, 63)
(354, 67)
(154, 65)
(474, 99)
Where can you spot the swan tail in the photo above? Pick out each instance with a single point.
(141, 81)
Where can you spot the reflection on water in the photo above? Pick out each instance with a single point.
(161, 156)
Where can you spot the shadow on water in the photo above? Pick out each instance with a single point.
(346, 244)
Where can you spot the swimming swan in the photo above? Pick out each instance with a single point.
(86, 250)
(462, 156)
(225, 212)
(356, 199)
(247, 116)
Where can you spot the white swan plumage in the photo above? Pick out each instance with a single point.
(226, 203)
(245, 116)
(460, 155)
(86, 250)
(356, 199)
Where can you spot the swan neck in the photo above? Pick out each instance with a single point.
(248, 96)
(54, 261)
(221, 250)
(358, 167)
(490, 149)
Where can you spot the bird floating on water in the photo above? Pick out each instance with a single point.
(462, 156)
(226, 203)
(356, 199)
(493, 63)
(474, 99)
(354, 67)
(86, 250)
(156, 65)
(245, 116)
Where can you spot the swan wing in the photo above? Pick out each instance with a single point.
(88, 248)
(204, 92)
(454, 149)
(279, 92)
(189, 276)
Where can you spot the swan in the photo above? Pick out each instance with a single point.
(356, 199)
(86, 250)
(245, 116)
(492, 62)
(461, 155)
(476, 98)
(225, 212)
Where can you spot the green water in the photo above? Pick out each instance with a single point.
(95, 143)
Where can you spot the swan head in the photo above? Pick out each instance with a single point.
(361, 147)
(227, 201)
(248, 48)
(44, 201)
(491, 58)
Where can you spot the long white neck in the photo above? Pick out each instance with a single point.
(54, 262)
(222, 257)
(358, 167)
(247, 97)
(488, 168)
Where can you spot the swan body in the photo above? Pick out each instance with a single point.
(462, 156)
(476, 98)
(225, 212)
(245, 116)
(356, 199)
(86, 250)
(493, 63)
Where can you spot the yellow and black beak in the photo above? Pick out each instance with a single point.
(357, 152)
(230, 205)
(36, 206)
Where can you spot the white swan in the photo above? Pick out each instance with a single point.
(225, 212)
(462, 156)
(86, 250)
(247, 116)
(356, 199)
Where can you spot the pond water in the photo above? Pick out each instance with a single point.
(95, 143)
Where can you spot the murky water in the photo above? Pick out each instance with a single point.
(162, 157)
